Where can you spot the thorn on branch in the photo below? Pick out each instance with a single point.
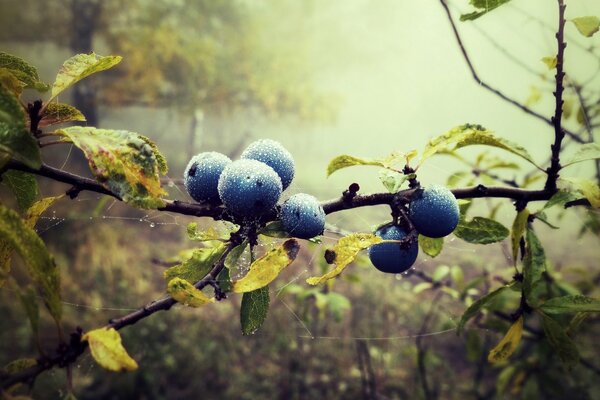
(350, 193)
(73, 192)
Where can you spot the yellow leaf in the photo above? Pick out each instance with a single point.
(264, 270)
(345, 251)
(107, 350)
(81, 66)
(185, 293)
(518, 227)
(586, 187)
(33, 213)
(508, 344)
(550, 62)
(587, 26)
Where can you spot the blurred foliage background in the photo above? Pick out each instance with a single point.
(324, 78)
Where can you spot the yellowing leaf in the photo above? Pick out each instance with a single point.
(80, 66)
(185, 293)
(508, 344)
(345, 161)
(23, 71)
(516, 233)
(196, 265)
(550, 62)
(264, 270)
(586, 187)
(58, 113)
(34, 212)
(345, 251)
(587, 26)
(122, 161)
(585, 152)
(107, 350)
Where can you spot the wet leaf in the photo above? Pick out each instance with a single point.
(23, 71)
(254, 309)
(199, 263)
(264, 270)
(108, 351)
(59, 113)
(186, 294)
(121, 161)
(345, 250)
(81, 66)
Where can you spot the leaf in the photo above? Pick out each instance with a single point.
(10, 82)
(253, 311)
(535, 95)
(121, 161)
(481, 230)
(485, 6)
(393, 180)
(274, 229)
(59, 113)
(560, 198)
(197, 265)
(235, 254)
(508, 344)
(440, 273)
(571, 304)
(468, 135)
(107, 350)
(81, 66)
(540, 215)
(345, 250)
(534, 263)
(480, 303)
(40, 265)
(558, 339)
(28, 299)
(587, 151)
(586, 187)
(458, 277)
(587, 26)
(34, 212)
(186, 294)
(203, 236)
(516, 233)
(431, 246)
(419, 287)
(23, 185)
(345, 161)
(19, 365)
(15, 139)
(23, 71)
(550, 62)
(264, 270)
(224, 280)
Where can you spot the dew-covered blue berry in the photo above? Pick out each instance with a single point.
(275, 156)
(302, 216)
(434, 211)
(393, 257)
(201, 176)
(248, 188)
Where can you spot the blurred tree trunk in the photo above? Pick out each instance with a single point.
(84, 16)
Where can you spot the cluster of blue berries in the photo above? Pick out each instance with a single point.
(252, 185)
(433, 212)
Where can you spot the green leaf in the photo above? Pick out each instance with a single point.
(481, 230)
(419, 287)
(253, 311)
(23, 185)
(440, 273)
(274, 229)
(40, 265)
(468, 135)
(508, 344)
(34, 212)
(224, 280)
(80, 66)
(28, 299)
(571, 304)
(235, 254)
(264, 270)
(516, 233)
(197, 265)
(204, 236)
(59, 113)
(186, 294)
(540, 215)
(19, 365)
(558, 339)
(431, 246)
(458, 277)
(585, 152)
(534, 263)
(587, 26)
(480, 303)
(23, 71)
(345, 250)
(10, 82)
(15, 139)
(550, 62)
(483, 6)
(121, 161)
(108, 351)
(345, 161)
(393, 180)
(586, 187)
(561, 198)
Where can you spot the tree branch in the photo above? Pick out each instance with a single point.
(559, 133)
(498, 93)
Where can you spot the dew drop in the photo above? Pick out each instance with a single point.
(152, 224)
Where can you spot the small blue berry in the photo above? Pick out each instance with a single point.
(275, 156)
(434, 211)
(201, 175)
(248, 188)
(392, 257)
(302, 216)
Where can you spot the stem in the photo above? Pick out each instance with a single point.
(559, 133)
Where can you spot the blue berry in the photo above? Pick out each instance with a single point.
(302, 216)
(201, 175)
(248, 188)
(392, 257)
(434, 211)
(275, 156)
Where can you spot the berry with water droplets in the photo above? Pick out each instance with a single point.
(393, 257)
(302, 216)
(201, 176)
(275, 156)
(434, 211)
